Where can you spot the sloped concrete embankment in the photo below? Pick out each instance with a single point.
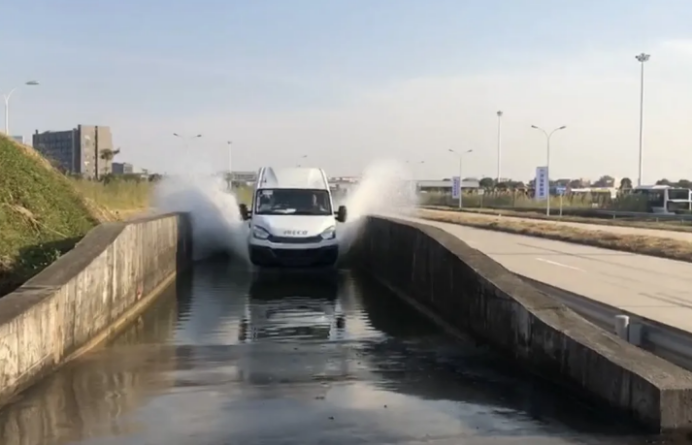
(466, 290)
(88, 295)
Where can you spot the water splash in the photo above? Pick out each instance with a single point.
(216, 222)
(385, 188)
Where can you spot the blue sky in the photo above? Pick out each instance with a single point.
(151, 67)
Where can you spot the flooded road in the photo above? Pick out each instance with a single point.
(226, 356)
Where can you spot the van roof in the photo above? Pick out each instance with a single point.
(292, 178)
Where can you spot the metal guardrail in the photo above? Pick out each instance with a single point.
(668, 342)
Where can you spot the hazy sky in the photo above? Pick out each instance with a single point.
(350, 81)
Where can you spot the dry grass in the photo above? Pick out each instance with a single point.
(639, 244)
(520, 200)
(115, 196)
(652, 223)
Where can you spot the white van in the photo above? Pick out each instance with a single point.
(292, 221)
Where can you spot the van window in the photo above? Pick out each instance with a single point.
(292, 202)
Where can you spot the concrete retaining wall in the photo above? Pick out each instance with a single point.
(85, 296)
(472, 293)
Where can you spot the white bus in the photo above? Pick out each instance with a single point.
(666, 199)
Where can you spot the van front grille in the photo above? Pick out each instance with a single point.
(295, 240)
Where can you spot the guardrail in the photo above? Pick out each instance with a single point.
(668, 342)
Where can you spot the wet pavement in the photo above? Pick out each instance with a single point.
(228, 356)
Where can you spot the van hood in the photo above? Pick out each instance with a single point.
(308, 225)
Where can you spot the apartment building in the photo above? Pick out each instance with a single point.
(79, 151)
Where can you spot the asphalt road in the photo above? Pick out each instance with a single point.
(683, 236)
(651, 287)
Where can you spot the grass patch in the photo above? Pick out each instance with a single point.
(41, 214)
(520, 200)
(639, 244)
(119, 198)
(652, 223)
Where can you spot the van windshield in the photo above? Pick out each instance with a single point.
(292, 202)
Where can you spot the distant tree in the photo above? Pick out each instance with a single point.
(517, 185)
(625, 183)
(663, 182)
(487, 183)
(605, 181)
(575, 184)
(687, 184)
(109, 154)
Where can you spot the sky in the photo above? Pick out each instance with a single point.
(349, 82)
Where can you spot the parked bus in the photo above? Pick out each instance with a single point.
(666, 199)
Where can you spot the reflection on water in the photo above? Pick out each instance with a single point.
(88, 395)
(230, 356)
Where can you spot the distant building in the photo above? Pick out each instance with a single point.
(243, 177)
(446, 185)
(122, 168)
(18, 138)
(79, 150)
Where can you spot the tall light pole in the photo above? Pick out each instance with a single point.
(7, 104)
(643, 57)
(461, 163)
(229, 145)
(499, 146)
(547, 160)
(186, 139)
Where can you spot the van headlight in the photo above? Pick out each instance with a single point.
(329, 233)
(260, 233)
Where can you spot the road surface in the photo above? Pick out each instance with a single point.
(655, 288)
(226, 357)
(683, 236)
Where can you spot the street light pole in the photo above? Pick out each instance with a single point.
(230, 156)
(186, 139)
(499, 146)
(7, 97)
(461, 164)
(230, 165)
(642, 58)
(547, 161)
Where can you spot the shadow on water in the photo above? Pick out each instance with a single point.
(235, 356)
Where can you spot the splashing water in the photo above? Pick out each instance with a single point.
(216, 222)
(385, 188)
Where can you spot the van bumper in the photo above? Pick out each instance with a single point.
(309, 257)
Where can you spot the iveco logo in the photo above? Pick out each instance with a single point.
(295, 232)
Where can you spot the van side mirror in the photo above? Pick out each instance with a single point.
(341, 214)
(244, 212)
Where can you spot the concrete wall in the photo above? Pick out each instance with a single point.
(87, 295)
(466, 290)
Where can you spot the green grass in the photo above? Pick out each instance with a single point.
(41, 214)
